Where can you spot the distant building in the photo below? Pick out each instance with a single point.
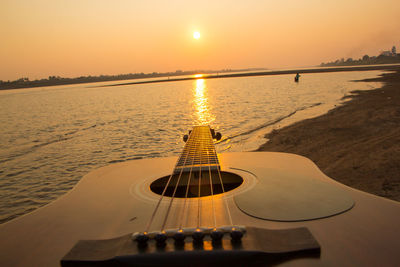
(389, 53)
(386, 53)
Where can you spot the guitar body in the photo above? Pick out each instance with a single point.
(358, 229)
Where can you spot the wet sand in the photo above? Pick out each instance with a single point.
(357, 144)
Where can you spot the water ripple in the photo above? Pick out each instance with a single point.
(50, 139)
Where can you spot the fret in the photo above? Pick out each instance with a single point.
(199, 152)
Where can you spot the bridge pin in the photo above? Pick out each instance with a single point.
(141, 238)
(216, 235)
(160, 237)
(179, 236)
(236, 234)
(198, 235)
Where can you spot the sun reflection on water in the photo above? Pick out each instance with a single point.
(202, 114)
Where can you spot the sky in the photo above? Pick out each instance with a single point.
(71, 38)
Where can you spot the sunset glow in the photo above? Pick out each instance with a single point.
(47, 38)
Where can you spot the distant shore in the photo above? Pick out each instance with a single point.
(57, 80)
(263, 73)
(357, 144)
(175, 76)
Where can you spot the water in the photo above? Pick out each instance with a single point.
(51, 136)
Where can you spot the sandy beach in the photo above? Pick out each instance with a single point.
(357, 144)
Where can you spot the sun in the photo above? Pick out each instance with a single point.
(196, 35)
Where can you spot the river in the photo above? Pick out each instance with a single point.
(51, 136)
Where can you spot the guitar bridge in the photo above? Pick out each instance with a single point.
(257, 246)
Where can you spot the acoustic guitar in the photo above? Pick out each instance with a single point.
(238, 209)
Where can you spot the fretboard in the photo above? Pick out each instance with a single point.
(199, 152)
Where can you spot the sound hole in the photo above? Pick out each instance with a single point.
(230, 181)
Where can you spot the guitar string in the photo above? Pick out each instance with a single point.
(159, 201)
(211, 184)
(199, 202)
(188, 183)
(176, 187)
(157, 206)
(186, 194)
(223, 193)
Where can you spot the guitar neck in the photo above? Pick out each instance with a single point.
(199, 152)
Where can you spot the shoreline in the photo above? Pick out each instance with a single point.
(266, 73)
(356, 143)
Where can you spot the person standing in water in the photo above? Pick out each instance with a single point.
(296, 78)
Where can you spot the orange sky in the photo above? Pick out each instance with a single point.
(70, 38)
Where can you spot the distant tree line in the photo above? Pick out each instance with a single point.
(57, 80)
(385, 57)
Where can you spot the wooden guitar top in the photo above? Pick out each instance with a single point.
(351, 227)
